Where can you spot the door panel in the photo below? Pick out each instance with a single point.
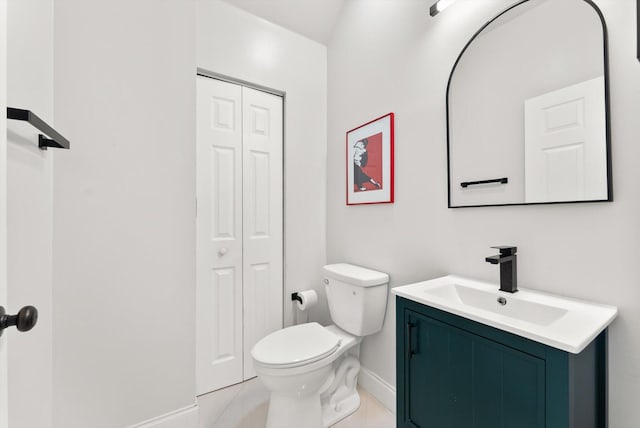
(262, 218)
(456, 379)
(460, 350)
(565, 144)
(4, 410)
(428, 382)
(520, 369)
(223, 194)
(219, 351)
(224, 341)
(29, 218)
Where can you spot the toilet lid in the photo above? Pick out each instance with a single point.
(296, 345)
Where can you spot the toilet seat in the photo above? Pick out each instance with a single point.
(295, 346)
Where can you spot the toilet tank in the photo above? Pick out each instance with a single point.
(357, 297)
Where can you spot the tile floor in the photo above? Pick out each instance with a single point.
(245, 406)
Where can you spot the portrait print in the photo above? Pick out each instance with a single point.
(370, 162)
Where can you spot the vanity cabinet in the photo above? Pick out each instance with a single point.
(456, 373)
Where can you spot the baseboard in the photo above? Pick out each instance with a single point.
(381, 390)
(186, 417)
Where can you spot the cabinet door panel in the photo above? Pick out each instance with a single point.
(523, 395)
(486, 362)
(461, 371)
(428, 383)
(455, 379)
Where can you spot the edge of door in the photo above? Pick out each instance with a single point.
(4, 405)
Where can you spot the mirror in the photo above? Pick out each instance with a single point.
(528, 111)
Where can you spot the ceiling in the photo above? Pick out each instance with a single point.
(314, 19)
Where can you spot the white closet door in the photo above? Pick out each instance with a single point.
(219, 349)
(262, 218)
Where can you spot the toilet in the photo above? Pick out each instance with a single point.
(311, 371)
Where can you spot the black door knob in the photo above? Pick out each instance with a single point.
(24, 320)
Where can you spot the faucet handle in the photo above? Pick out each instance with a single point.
(506, 250)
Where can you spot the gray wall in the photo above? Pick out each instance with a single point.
(124, 207)
(124, 211)
(391, 56)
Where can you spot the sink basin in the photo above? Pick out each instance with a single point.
(487, 300)
(561, 322)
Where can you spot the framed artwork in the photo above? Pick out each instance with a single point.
(370, 162)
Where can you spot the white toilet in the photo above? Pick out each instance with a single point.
(312, 370)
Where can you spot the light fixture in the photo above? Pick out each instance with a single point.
(439, 6)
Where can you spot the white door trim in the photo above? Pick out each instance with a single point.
(217, 76)
(4, 407)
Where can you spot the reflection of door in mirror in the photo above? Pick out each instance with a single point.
(565, 135)
(532, 50)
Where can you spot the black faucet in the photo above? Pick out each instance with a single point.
(508, 268)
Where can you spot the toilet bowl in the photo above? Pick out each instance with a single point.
(297, 365)
(311, 370)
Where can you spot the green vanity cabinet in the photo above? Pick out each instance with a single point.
(455, 373)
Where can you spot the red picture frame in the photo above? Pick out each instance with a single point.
(369, 159)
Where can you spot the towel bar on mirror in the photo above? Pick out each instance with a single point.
(503, 180)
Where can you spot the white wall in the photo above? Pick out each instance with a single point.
(124, 209)
(235, 43)
(391, 56)
(29, 238)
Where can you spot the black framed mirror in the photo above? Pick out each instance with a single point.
(528, 108)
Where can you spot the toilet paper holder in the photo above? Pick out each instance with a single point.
(306, 299)
(295, 296)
